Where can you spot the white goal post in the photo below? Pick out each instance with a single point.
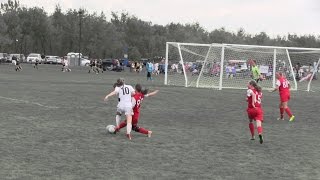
(222, 66)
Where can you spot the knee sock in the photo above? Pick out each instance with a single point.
(260, 129)
(118, 119)
(251, 127)
(281, 112)
(288, 111)
(143, 131)
(122, 125)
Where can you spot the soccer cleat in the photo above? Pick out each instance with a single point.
(149, 134)
(261, 138)
(280, 119)
(129, 136)
(291, 118)
(252, 138)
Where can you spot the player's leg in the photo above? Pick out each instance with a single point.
(288, 111)
(128, 113)
(121, 125)
(118, 118)
(141, 130)
(148, 76)
(281, 111)
(260, 130)
(251, 114)
(251, 127)
(136, 128)
(259, 120)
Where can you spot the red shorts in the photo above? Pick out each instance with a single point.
(255, 113)
(284, 97)
(135, 118)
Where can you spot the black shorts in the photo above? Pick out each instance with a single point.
(149, 74)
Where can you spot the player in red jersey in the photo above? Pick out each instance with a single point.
(283, 86)
(138, 98)
(254, 110)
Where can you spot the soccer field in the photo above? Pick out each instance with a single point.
(53, 127)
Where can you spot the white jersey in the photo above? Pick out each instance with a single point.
(66, 62)
(125, 95)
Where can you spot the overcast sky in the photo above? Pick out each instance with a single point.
(272, 16)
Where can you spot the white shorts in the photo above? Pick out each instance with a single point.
(125, 110)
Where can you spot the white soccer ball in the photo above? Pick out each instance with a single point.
(111, 129)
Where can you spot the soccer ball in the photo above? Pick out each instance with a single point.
(111, 129)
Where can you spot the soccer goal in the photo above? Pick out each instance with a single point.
(222, 66)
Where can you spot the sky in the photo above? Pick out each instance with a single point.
(275, 17)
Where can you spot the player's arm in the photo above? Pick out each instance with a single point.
(152, 93)
(275, 89)
(133, 92)
(114, 92)
(253, 99)
(277, 86)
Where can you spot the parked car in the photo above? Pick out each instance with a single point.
(53, 60)
(33, 57)
(3, 57)
(84, 62)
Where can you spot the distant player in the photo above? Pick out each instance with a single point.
(283, 86)
(149, 67)
(254, 110)
(307, 77)
(36, 64)
(18, 66)
(137, 100)
(66, 66)
(125, 93)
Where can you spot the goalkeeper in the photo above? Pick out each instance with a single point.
(256, 75)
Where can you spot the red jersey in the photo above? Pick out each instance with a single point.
(258, 96)
(139, 98)
(284, 85)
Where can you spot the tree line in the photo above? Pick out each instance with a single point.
(32, 30)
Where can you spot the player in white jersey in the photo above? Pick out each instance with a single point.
(66, 65)
(125, 93)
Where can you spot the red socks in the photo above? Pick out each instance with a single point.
(143, 131)
(259, 130)
(288, 111)
(281, 112)
(251, 127)
(121, 125)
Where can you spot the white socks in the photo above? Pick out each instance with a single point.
(118, 119)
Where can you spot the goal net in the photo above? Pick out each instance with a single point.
(226, 65)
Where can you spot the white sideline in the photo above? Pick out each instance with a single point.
(28, 102)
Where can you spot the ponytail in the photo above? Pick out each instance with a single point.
(145, 91)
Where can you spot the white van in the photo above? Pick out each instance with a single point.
(33, 57)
